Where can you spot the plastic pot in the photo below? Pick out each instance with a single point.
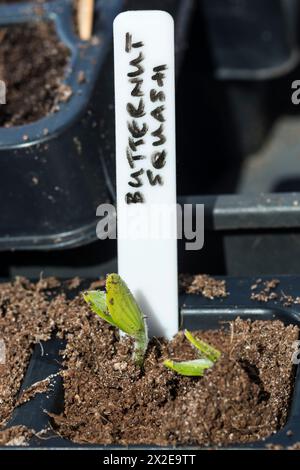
(51, 185)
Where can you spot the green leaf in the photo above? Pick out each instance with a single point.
(119, 308)
(194, 368)
(96, 299)
(123, 307)
(206, 350)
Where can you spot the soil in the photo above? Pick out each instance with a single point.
(23, 322)
(265, 291)
(108, 400)
(31, 392)
(33, 64)
(204, 285)
(15, 436)
(295, 446)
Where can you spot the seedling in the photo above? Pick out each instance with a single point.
(205, 349)
(196, 367)
(118, 307)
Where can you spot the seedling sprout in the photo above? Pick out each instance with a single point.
(195, 367)
(118, 307)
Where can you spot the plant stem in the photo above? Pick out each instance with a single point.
(140, 348)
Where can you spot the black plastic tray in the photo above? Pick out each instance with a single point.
(247, 235)
(54, 211)
(196, 313)
(74, 164)
(266, 34)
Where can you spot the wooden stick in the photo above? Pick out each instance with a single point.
(85, 18)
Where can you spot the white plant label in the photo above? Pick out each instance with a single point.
(146, 164)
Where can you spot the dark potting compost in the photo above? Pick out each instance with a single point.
(244, 397)
(15, 436)
(109, 400)
(34, 80)
(204, 285)
(23, 323)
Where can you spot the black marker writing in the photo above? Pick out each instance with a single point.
(137, 129)
(129, 44)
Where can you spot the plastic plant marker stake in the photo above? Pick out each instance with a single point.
(146, 164)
